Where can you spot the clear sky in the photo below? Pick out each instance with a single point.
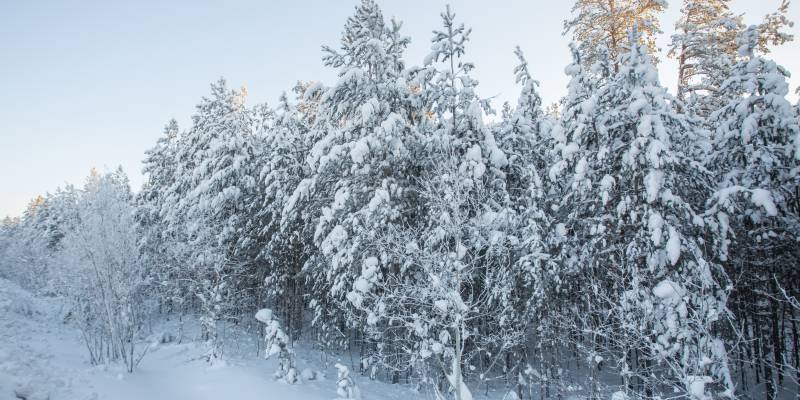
(91, 83)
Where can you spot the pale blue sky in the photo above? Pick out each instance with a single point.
(92, 83)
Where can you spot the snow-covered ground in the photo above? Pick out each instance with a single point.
(41, 357)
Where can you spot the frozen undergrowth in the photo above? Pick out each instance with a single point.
(41, 357)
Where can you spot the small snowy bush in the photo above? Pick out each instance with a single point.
(345, 386)
(277, 342)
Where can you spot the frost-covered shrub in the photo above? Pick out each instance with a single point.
(345, 386)
(277, 343)
(101, 273)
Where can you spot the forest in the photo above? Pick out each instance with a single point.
(629, 241)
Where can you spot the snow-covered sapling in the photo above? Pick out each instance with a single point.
(345, 386)
(277, 342)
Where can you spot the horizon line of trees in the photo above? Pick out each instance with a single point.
(627, 242)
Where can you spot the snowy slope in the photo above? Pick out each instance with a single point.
(41, 357)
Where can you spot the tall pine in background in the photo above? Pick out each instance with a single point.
(604, 24)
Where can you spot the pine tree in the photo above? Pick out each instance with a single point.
(277, 342)
(156, 247)
(464, 237)
(287, 240)
(574, 139)
(599, 24)
(755, 208)
(575, 131)
(361, 162)
(756, 140)
(448, 308)
(204, 207)
(39, 238)
(705, 47)
(632, 225)
(450, 91)
(771, 30)
(524, 136)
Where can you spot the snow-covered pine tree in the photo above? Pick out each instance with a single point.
(466, 153)
(457, 113)
(158, 166)
(361, 163)
(447, 310)
(705, 48)
(155, 246)
(277, 342)
(575, 131)
(25, 254)
(51, 216)
(772, 28)
(205, 204)
(597, 24)
(10, 229)
(524, 136)
(446, 300)
(449, 92)
(252, 236)
(345, 386)
(574, 139)
(638, 231)
(38, 237)
(287, 240)
(755, 207)
(48, 221)
(502, 189)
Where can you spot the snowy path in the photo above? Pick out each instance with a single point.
(40, 356)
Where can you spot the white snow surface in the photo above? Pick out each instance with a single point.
(674, 246)
(666, 290)
(41, 357)
(763, 198)
(264, 315)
